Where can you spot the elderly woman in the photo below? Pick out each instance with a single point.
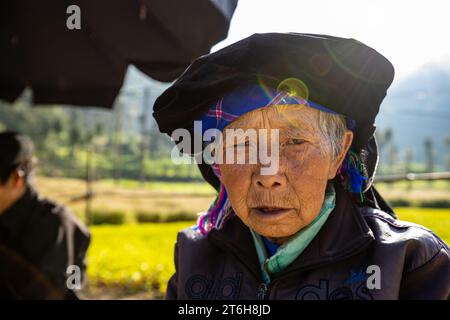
(315, 227)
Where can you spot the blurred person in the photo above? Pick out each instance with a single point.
(316, 227)
(39, 239)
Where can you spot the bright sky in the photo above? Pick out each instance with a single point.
(409, 33)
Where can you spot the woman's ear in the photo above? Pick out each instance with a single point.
(346, 142)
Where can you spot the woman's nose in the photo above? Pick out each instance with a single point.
(270, 181)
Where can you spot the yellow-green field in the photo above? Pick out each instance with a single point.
(132, 257)
(438, 220)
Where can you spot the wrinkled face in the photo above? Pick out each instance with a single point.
(279, 205)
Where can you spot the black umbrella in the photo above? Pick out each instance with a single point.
(86, 66)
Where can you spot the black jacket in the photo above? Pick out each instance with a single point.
(413, 262)
(38, 241)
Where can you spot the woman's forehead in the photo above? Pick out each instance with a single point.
(300, 117)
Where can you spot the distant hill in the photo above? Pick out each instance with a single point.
(417, 108)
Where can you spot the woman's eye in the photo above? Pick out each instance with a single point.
(296, 141)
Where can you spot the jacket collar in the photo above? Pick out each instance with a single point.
(15, 218)
(344, 234)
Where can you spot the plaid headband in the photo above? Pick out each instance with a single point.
(248, 98)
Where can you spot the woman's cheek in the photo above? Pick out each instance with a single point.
(311, 163)
(236, 179)
(233, 174)
(308, 178)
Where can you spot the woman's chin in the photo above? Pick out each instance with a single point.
(275, 229)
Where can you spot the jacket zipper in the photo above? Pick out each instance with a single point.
(262, 291)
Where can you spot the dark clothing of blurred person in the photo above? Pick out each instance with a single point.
(42, 245)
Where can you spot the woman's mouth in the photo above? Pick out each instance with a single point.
(270, 211)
